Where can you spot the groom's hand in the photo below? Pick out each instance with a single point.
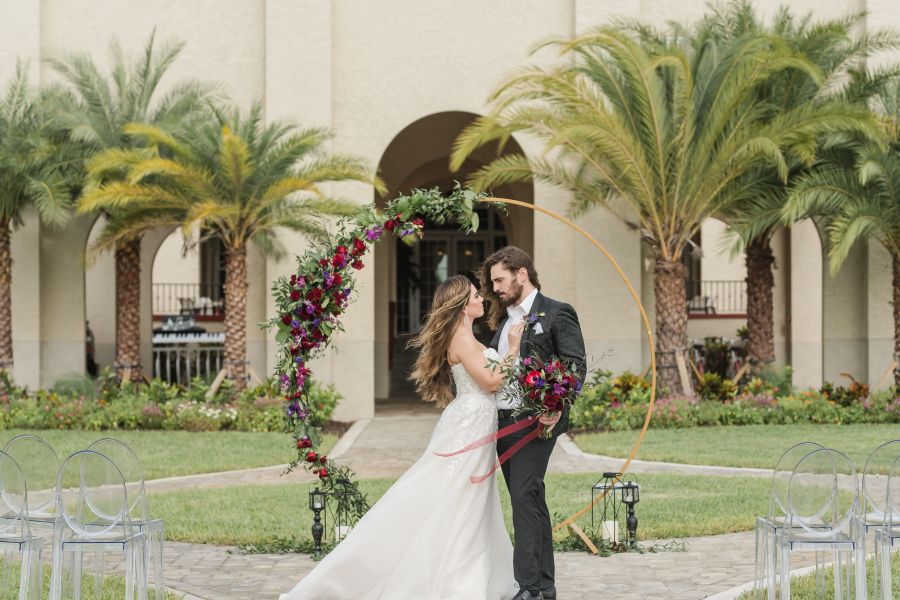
(550, 420)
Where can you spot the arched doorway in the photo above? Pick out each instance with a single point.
(406, 276)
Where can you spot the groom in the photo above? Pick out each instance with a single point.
(509, 280)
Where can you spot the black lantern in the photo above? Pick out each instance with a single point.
(317, 505)
(610, 508)
(631, 495)
(344, 495)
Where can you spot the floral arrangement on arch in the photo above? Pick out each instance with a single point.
(311, 301)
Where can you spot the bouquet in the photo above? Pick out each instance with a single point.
(540, 388)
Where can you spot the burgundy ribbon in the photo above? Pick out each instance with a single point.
(499, 434)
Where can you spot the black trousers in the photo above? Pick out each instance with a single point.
(524, 474)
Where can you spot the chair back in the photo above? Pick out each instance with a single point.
(823, 493)
(781, 476)
(13, 500)
(39, 463)
(97, 505)
(879, 463)
(132, 472)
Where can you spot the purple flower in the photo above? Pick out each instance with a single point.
(559, 389)
(374, 233)
(309, 309)
(295, 323)
(526, 361)
(298, 360)
(316, 322)
(329, 279)
(539, 382)
(406, 232)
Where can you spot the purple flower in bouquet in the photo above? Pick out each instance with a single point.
(373, 233)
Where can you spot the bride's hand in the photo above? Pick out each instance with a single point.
(515, 336)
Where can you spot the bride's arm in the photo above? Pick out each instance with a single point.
(470, 354)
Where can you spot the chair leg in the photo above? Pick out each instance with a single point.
(785, 572)
(820, 575)
(838, 575)
(129, 571)
(77, 572)
(157, 552)
(886, 580)
(98, 573)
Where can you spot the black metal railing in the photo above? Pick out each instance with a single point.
(194, 299)
(717, 297)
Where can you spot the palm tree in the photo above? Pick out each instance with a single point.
(838, 53)
(238, 180)
(95, 108)
(36, 171)
(636, 119)
(859, 200)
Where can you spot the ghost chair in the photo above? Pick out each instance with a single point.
(823, 510)
(93, 516)
(18, 547)
(132, 471)
(768, 526)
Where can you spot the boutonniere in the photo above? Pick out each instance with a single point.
(531, 321)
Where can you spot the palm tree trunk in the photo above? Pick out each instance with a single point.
(896, 282)
(671, 320)
(236, 316)
(128, 310)
(6, 349)
(760, 285)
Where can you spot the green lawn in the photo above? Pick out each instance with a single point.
(113, 586)
(746, 446)
(671, 506)
(170, 453)
(804, 587)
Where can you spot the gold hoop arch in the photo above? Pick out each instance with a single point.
(644, 319)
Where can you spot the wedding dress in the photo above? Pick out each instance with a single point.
(434, 535)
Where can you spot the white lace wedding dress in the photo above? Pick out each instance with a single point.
(434, 535)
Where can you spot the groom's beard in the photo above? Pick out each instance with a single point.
(514, 296)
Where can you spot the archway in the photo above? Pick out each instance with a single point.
(418, 157)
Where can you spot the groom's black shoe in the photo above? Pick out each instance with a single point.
(527, 595)
(549, 593)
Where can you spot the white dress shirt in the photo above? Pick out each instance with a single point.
(515, 313)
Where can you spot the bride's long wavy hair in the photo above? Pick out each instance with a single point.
(434, 382)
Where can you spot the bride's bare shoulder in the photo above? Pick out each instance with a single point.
(462, 343)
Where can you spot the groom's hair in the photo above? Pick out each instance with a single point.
(513, 259)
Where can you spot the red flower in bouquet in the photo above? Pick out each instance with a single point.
(311, 456)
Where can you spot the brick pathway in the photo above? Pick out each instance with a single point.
(385, 447)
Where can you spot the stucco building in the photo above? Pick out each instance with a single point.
(397, 80)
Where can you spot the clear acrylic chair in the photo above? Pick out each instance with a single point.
(39, 462)
(875, 512)
(138, 510)
(767, 527)
(823, 510)
(887, 537)
(93, 516)
(18, 547)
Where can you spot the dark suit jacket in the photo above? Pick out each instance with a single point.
(561, 338)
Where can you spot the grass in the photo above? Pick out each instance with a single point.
(746, 446)
(804, 587)
(113, 586)
(671, 506)
(172, 453)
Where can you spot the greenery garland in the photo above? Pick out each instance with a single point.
(311, 301)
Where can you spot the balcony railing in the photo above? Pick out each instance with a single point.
(194, 299)
(717, 297)
(179, 357)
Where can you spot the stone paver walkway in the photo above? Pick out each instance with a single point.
(385, 447)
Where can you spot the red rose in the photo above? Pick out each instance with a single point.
(323, 459)
(286, 319)
(323, 472)
(338, 280)
(323, 262)
(338, 261)
(314, 295)
(357, 264)
(418, 222)
(300, 444)
(341, 250)
(311, 456)
(359, 246)
(295, 295)
(389, 225)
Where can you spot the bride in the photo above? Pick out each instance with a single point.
(434, 535)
